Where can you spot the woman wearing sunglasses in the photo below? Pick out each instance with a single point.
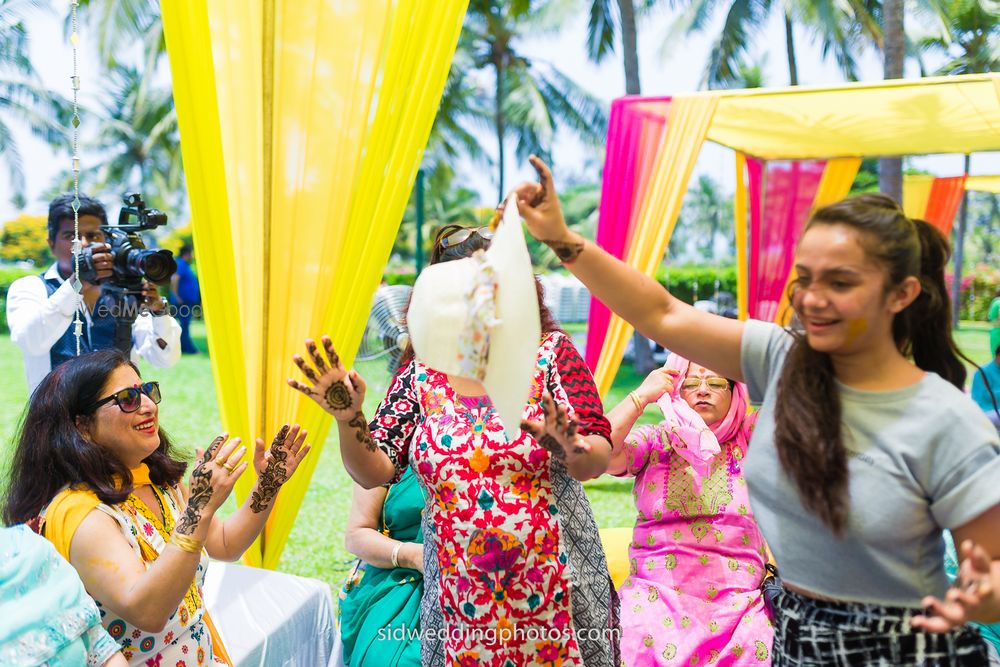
(94, 471)
(697, 559)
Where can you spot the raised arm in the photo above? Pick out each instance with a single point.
(624, 415)
(710, 340)
(113, 575)
(342, 394)
(274, 465)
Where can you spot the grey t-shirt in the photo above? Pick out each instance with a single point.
(921, 459)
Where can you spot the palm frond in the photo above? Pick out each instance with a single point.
(11, 155)
(731, 46)
(602, 29)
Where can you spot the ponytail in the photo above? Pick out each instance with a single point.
(923, 331)
(807, 433)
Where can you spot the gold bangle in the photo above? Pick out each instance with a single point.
(188, 544)
(636, 402)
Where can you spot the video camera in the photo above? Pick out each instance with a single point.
(132, 263)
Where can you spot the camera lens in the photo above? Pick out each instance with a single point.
(158, 265)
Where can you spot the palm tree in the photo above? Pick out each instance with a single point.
(893, 51)
(531, 99)
(840, 26)
(605, 28)
(124, 22)
(23, 100)
(138, 141)
(706, 217)
(612, 21)
(464, 107)
(971, 39)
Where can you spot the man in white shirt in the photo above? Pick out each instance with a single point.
(40, 309)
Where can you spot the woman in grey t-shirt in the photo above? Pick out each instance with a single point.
(865, 450)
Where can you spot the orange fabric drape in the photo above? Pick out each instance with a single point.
(946, 196)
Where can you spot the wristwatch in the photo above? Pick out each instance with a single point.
(162, 311)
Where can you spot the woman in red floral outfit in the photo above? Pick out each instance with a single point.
(515, 572)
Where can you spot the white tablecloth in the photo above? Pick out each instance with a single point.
(270, 619)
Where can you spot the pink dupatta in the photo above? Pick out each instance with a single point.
(690, 437)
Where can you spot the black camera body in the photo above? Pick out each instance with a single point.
(133, 262)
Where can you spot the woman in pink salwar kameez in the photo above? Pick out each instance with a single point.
(697, 560)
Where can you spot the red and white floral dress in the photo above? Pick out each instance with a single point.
(501, 553)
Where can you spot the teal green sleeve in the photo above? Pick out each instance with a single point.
(979, 393)
(994, 314)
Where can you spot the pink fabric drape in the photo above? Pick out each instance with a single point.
(635, 127)
(780, 195)
(942, 205)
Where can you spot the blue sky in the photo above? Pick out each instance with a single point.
(673, 70)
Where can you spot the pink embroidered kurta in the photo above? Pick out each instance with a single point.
(696, 561)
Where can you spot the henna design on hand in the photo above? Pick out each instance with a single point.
(363, 435)
(551, 444)
(565, 251)
(200, 492)
(330, 352)
(338, 397)
(558, 428)
(273, 476)
(317, 359)
(306, 369)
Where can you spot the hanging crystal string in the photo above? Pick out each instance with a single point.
(74, 39)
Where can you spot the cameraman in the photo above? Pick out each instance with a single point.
(40, 308)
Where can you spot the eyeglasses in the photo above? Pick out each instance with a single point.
(130, 399)
(462, 234)
(713, 382)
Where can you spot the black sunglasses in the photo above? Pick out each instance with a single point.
(462, 234)
(130, 399)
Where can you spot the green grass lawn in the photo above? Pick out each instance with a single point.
(316, 546)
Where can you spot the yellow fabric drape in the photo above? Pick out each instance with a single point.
(945, 114)
(689, 120)
(983, 184)
(916, 194)
(838, 177)
(302, 126)
(740, 227)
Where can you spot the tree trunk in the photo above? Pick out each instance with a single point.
(958, 253)
(793, 68)
(890, 171)
(498, 119)
(630, 49)
(642, 358)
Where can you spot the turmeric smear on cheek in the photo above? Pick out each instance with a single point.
(855, 328)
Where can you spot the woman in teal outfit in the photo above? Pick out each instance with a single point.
(46, 617)
(380, 615)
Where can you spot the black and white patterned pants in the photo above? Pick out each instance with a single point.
(814, 633)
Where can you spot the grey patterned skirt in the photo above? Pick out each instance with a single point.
(811, 633)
